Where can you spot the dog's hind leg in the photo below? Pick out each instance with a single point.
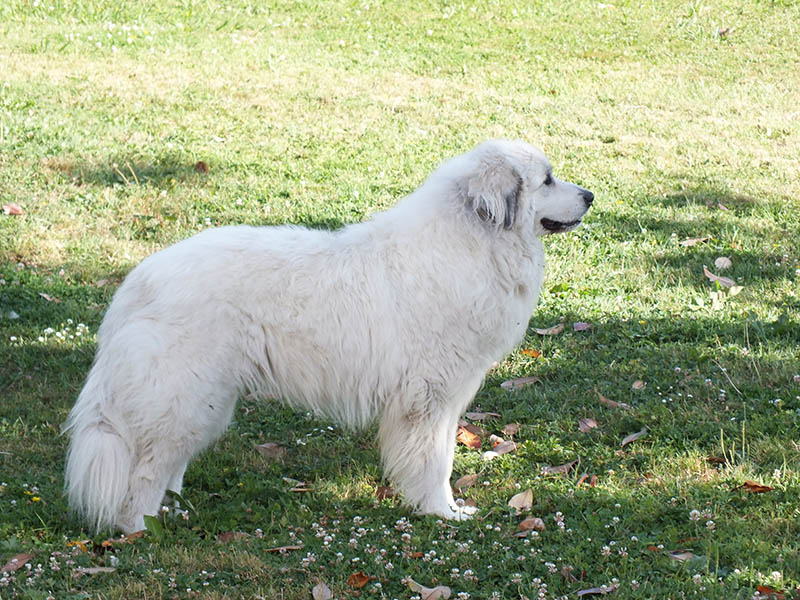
(417, 445)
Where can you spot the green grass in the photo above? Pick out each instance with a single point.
(682, 117)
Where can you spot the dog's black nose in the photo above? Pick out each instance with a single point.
(588, 197)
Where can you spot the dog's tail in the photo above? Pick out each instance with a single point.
(99, 461)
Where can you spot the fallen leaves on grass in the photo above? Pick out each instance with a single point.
(566, 573)
(12, 209)
(753, 487)
(440, 592)
(510, 429)
(515, 384)
(385, 491)
(469, 439)
(476, 429)
(122, 540)
(466, 481)
(554, 330)
(359, 580)
(606, 589)
(723, 281)
(16, 562)
(633, 437)
(586, 424)
(561, 469)
(230, 536)
(271, 450)
(693, 241)
(499, 447)
(283, 549)
(321, 592)
(771, 593)
(581, 326)
(612, 403)
(531, 352)
(681, 555)
(83, 545)
(723, 263)
(531, 523)
(584, 477)
(481, 416)
(50, 298)
(638, 385)
(201, 167)
(78, 571)
(522, 501)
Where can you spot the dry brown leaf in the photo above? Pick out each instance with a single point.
(753, 487)
(476, 429)
(515, 384)
(681, 555)
(598, 590)
(723, 281)
(511, 429)
(321, 592)
(283, 549)
(531, 523)
(586, 424)
(83, 545)
(481, 416)
(531, 352)
(581, 326)
(693, 241)
(722, 263)
(201, 167)
(101, 282)
(612, 403)
(468, 438)
(566, 573)
(301, 487)
(466, 481)
(522, 501)
(359, 580)
(554, 330)
(505, 447)
(122, 540)
(271, 450)
(561, 469)
(50, 298)
(633, 437)
(16, 562)
(771, 593)
(230, 536)
(440, 592)
(385, 491)
(78, 571)
(12, 209)
(638, 385)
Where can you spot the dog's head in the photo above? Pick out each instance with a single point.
(510, 185)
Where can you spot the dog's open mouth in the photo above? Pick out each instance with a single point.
(556, 226)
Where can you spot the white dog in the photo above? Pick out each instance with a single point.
(396, 319)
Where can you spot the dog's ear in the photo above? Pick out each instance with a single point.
(493, 193)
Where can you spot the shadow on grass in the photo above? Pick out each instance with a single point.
(132, 170)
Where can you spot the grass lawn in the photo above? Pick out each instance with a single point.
(683, 117)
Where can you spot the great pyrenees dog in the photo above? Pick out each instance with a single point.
(394, 320)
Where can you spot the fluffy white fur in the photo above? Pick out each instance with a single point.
(396, 319)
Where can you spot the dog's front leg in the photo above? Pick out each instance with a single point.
(417, 445)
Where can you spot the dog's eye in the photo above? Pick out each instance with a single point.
(548, 180)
